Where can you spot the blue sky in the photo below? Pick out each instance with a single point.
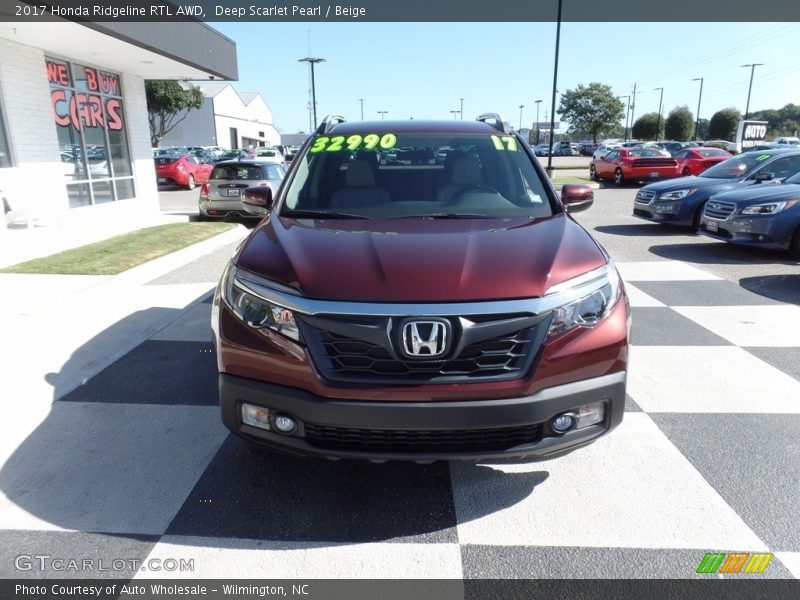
(421, 70)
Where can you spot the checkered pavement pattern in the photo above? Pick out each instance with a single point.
(136, 464)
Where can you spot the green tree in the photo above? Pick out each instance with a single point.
(679, 124)
(168, 103)
(592, 109)
(645, 127)
(724, 123)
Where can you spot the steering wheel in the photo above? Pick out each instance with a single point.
(480, 187)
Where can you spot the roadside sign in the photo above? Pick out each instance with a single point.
(751, 133)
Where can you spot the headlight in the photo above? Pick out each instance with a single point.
(255, 310)
(603, 288)
(768, 208)
(676, 195)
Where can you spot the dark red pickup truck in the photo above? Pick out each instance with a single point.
(420, 310)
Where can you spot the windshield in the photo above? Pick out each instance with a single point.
(380, 175)
(735, 167)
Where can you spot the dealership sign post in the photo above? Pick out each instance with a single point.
(751, 133)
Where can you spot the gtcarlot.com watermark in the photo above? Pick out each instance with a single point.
(61, 564)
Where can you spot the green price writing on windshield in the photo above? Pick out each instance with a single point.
(506, 142)
(369, 141)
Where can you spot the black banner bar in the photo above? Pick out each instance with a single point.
(402, 10)
(712, 588)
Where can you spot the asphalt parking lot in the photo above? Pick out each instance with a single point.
(707, 458)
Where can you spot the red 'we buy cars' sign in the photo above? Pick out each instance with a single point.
(84, 108)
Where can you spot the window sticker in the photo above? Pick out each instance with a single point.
(762, 157)
(354, 142)
(506, 142)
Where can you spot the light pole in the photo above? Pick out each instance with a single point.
(462, 108)
(382, 113)
(538, 102)
(311, 62)
(658, 121)
(750, 89)
(628, 98)
(697, 121)
(521, 106)
(455, 114)
(362, 108)
(555, 83)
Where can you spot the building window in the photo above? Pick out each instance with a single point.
(5, 149)
(92, 133)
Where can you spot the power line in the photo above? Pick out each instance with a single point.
(725, 51)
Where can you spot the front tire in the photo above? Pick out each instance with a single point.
(190, 184)
(686, 172)
(592, 173)
(698, 214)
(619, 179)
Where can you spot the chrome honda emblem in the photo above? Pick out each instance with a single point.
(423, 339)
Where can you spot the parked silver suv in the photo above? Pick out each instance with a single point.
(221, 196)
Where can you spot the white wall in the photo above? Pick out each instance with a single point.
(230, 111)
(35, 185)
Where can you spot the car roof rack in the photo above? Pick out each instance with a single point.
(328, 122)
(495, 121)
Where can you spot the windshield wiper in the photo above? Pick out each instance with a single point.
(320, 214)
(443, 216)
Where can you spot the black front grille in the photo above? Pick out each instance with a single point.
(719, 210)
(364, 350)
(409, 441)
(497, 356)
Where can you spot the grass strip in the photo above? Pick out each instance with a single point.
(120, 253)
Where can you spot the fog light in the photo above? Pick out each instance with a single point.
(257, 416)
(285, 424)
(564, 422)
(591, 414)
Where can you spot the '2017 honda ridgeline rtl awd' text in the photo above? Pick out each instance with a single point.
(418, 291)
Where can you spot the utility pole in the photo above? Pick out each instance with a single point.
(311, 62)
(750, 89)
(462, 108)
(658, 121)
(633, 107)
(627, 111)
(697, 121)
(362, 108)
(538, 102)
(382, 113)
(455, 114)
(521, 106)
(555, 84)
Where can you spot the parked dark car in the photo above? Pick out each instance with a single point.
(680, 201)
(420, 311)
(587, 148)
(768, 217)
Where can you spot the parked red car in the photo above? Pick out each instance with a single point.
(693, 161)
(634, 164)
(185, 170)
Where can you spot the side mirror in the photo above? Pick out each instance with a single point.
(258, 200)
(576, 198)
(763, 177)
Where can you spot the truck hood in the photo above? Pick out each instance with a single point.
(757, 194)
(420, 260)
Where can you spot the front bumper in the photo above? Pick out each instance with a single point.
(773, 232)
(353, 426)
(671, 212)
